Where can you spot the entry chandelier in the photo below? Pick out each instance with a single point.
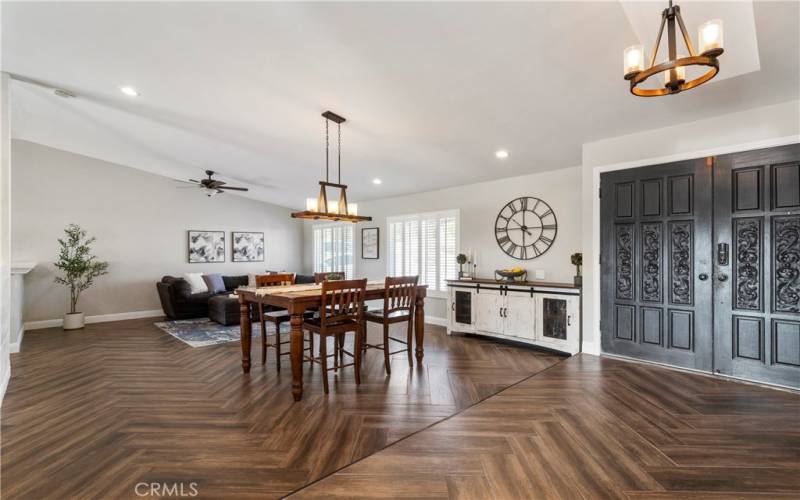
(320, 208)
(674, 70)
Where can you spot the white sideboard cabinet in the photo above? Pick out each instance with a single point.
(538, 313)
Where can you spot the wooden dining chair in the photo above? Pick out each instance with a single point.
(320, 277)
(341, 311)
(277, 317)
(399, 301)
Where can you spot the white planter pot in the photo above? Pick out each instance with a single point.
(73, 321)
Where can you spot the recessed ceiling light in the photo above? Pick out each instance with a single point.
(129, 91)
(501, 153)
(377, 181)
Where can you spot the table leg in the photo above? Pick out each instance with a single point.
(245, 330)
(296, 347)
(419, 327)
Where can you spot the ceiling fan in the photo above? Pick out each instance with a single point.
(213, 186)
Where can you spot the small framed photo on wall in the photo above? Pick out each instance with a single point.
(370, 243)
(248, 247)
(206, 247)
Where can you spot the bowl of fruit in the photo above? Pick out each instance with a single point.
(512, 274)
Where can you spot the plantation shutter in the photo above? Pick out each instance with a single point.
(424, 245)
(333, 249)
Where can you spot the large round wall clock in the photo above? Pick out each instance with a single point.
(525, 228)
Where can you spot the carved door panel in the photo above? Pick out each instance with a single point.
(757, 268)
(656, 227)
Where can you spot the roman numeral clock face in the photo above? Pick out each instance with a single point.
(526, 228)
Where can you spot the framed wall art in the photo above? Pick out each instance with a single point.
(206, 247)
(370, 243)
(247, 247)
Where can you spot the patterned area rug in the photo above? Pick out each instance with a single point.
(203, 332)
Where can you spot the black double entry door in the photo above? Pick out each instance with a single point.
(700, 264)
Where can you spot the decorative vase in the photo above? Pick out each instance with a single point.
(74, 321)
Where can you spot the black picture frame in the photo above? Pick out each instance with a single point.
(368, 231)
(237, 254)
(212, 252)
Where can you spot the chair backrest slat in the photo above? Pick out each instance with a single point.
(400, 293)
(278, 279)
(342, 300)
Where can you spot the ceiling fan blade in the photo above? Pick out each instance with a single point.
(196, 182)
(233, 188)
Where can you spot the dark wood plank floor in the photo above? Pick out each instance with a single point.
(89, 414)
(596, 428)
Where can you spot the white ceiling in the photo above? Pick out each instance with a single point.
(430, 90)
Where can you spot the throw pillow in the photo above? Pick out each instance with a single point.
(214, 282)
(196, 282)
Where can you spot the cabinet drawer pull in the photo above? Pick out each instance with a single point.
(569, 320)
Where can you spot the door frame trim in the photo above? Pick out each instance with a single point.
(594, 252)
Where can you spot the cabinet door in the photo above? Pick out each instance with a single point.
(554, 318)
(462, 310)
(519, 315)
(487, 311)
(558, 322)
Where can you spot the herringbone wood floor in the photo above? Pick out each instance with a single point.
(88, 414)
(596, 428)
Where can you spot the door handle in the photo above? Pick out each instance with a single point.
(722, 277)
(703, 276)
(569, 320)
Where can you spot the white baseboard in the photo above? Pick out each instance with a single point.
(433, 320)
(16, 346)
(591, 348)
(101, 318)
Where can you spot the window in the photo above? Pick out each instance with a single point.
(424, 245)
(333, 249)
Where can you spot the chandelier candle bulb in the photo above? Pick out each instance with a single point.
(633, 59)
(311, 204)
(709, 36)
(352, 208)
(680, 74)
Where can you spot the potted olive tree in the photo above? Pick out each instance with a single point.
(79, 269)
(577, 261)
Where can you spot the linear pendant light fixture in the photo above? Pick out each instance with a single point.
(710, 39)
(319, 208)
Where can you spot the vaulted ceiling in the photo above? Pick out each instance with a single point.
(430, 90)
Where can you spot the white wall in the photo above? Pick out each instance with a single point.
(752, 129)
(140, 221)
(479, 205)
(5, 232)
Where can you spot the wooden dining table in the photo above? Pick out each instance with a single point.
(297, 299)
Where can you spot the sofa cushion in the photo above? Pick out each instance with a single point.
(196, 282)
(214, 283)
(198, 299)
(234, 282)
